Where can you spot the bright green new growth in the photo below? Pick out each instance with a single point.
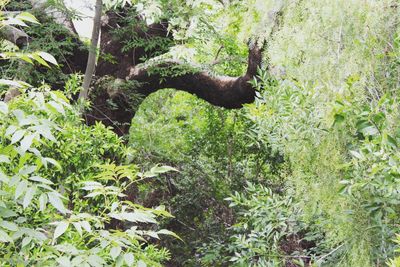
(308, 175)
(60, 187)
(329, 105)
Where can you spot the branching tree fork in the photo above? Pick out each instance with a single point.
(224, 91)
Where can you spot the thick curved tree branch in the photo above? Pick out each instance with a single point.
(223, 91)
(113, 105)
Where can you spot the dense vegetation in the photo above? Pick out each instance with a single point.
(308, 174)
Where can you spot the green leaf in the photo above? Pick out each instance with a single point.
(14, 21)
(10, 83)
(85, 225)
(3, 107)
(25, 16)
(44, 131)
(10, 130)
(152, 234)
(4, 159)
(40, 60)
(141, 263)
(96, 260)
(4, 237)
(136, 216)
(167, 232)
(40, 180)
(9, 226)
(42, 202)
(19, 114)
(4, 178)
(58, 107)
(7, 213)
(60, 229)
(29, 196)
(90, 185)
(48, 58)
(356, 154)
(115, 251)
(54, 163)
(338, 118)
(27, 142)
(162, 169)
(370, 130)
(78, 227)
(64, 261)
(26, 241)
(27, 170)
(55, 200)
(17, 136)
(21, 188)
(129, 258)
(391, 141)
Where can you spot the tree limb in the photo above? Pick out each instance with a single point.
(223, 91)
(14, 35)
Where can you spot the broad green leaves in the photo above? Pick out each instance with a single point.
(55, 199)
(42, 58)
(19, 20)
(61, 227)
(68, 223)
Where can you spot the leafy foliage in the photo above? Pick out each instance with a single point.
(52, 213)
(310, 169)
(62, 200)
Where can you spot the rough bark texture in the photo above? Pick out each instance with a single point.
(223, 91)
(14, 35)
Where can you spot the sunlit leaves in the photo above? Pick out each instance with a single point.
(3, 178)
(42, 209)
(4, 159)
(29, 194)
(135, 216)
(17, 136)
(10, 226)
(3, 107)
(61, 227)
(4, 237)
(55, 200)
(115, 251)
(40, 57)
(43, 199)
(32, 189)
(48, 57)
(155, 171)
(16, 84)
(19, 19)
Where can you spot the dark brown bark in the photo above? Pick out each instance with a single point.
(122, 61)
(223, 91)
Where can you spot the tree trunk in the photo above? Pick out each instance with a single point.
(91, 64)
(113, 106)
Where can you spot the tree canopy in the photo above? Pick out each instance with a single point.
(200, 133)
